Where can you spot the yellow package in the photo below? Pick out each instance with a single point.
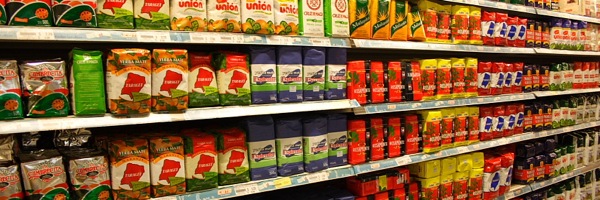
(429, 187)
(360, 19)
(471, 83)
(460, 24)
(464, 162)
(447, 128)
(380, 19)
(431, 131)
(461, 176)
(444, 21)
(475, 25)
(443, 79)
(428, 11)
(461, 131)
(458, 77)
(448, 165)
(416, 31)
(446, 186)
(461, 184)
(476, 182)
(478, 159)
(427, 169)
(428, 73)
(399, 21)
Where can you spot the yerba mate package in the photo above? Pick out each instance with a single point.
(316, 150)
(130, 168)
(202, 81)
(264, 74)
(169, 80)
(87, 83)
(201, 165)
(46, 89)
(289, 73)
(10, 98)
(232, 156)
(167, 166)
(313, 67)
(44, 175)
(261, 147)
(89, 173)
(128, 82)
(232, 78)
(290, 153)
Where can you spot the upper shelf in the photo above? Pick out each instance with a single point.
(423, 46)
(71, 122)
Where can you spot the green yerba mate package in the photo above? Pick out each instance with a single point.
(87, 83)
(10, 91)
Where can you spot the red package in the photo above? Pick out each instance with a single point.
(394, 137)
(586, 75)
(357, 142)
(410, 129)
(484, 77)
(401, 176)
(499, 121)
(443, 28)
(374, 77)
(461, 131)
(430, 22)
(595, 66)
(486, 114)
(508, 78)
(362, 185)
(507, 161)
(497, 81)
(520, 118)
(521, 32)
(376, 139)
(488, 21)
(501, 29)
(517, 77)
(491, 177)
(511, 120)
(393, 80)
(578, 79)
(357, 85)
(412, 191)
(512, 31)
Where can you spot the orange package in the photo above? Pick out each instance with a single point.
(169, 80)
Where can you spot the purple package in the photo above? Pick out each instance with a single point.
(313, 66)
(337, 139)
(335, 74)
(314, 138)
(264, 75)
(261, 147)
(289, 71)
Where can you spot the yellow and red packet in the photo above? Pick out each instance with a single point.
(458, 77)
(428, 78)
(443, 79)
(460, 24)
(461, 132)
(447, 128)
(475, 25)
(471, 83)
(444, 22)
(431, 131)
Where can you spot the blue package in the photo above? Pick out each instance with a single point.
(316, 150)
(337, 135)
(290, 155)
(335, 74)
(289, 73)
(313, 66)
(263, 74)
(261, 147)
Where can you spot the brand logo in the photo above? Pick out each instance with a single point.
(509, 178)
(500, 124)
(508, 79)
(190, 4)
(495, 184)
(205, 77)
(263, 153)
(133, 83)
(288, 9)
(512, 32)
(490, 26)
(322, 146)
(340, 142)
(511, 121)
(487, 123)
(485, 80)
(132, 173)
(293, 150)
(238, 80)
(259, 5)
(169, 169)
(152, 6)
(518, 78)
(339, 76)
(521, 32)
(264, 77)
(226, 6)
(314, 4)
(171, 81)
(315, 77)
(500, 81)
(340, 5)
(293, 76)
(205, 163)
(111, 4)
(236, 159)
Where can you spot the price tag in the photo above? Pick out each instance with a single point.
(480, 100)
(451, 102)
(391, 107)
(375, 166)
(199, 37)
(404, 160)
(472, 2)
(27, 34)
(166, 198)
(276, 39)
(154, 36)
(224, 191)
(282, 182)
(416, 105)
(501, 5)
(320, 41)
(245, 189)
(46, 34)
(317, 177)
(462, 150)
(252, 39)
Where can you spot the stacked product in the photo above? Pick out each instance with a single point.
(387, 184)
(499, 121)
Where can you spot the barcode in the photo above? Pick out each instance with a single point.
(241, 191)
(315, 88)
(340, 86)
(226, 38)
(292, 88)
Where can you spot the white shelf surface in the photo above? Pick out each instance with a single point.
(72, 122)
(62, 34)
(424, 46)
(424, 105)
(567, 92)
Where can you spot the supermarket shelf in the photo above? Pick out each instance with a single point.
(270, 184)
(421, 157)
(519, 190)
(566, 16)
(506, 6)
(71, 122)
(11, 33)
(424, 105)
(567, 92)
(566, 52)
(423, 46)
